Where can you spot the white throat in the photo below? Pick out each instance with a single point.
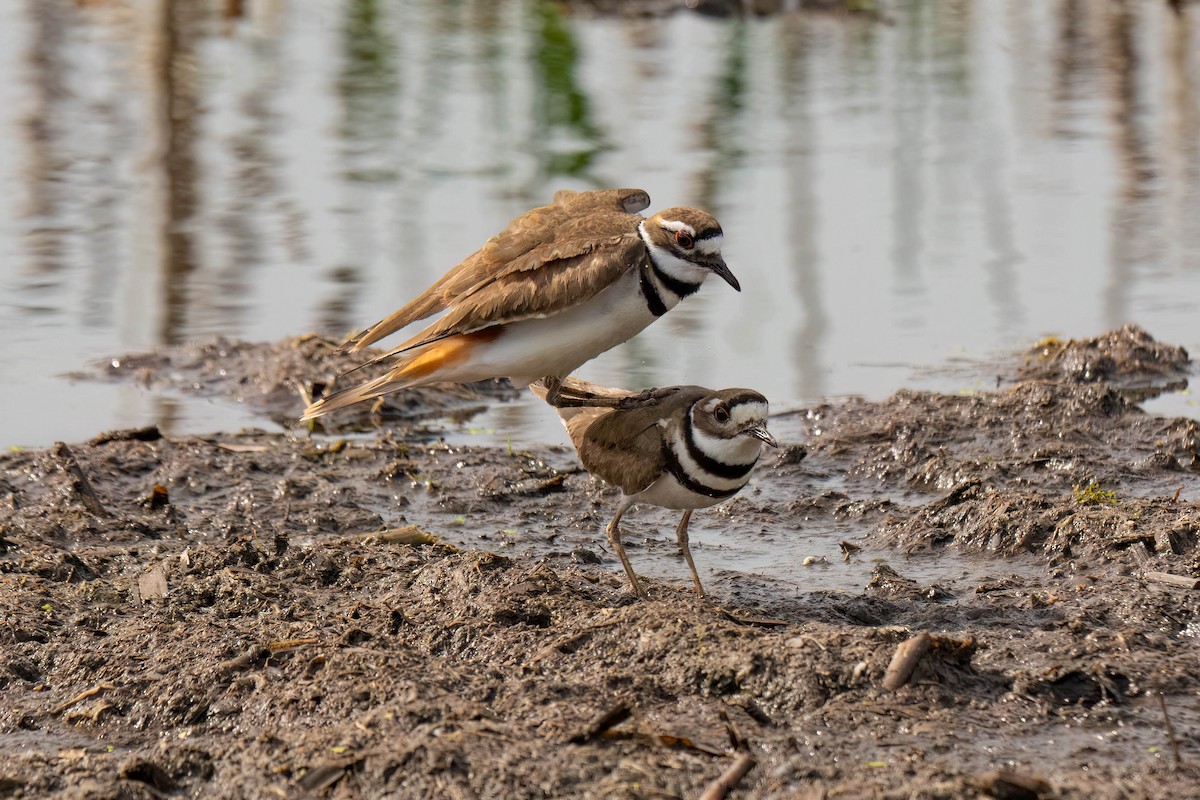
(670, 264)
(740, 449)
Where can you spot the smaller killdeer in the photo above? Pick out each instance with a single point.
(687, 447)
(556, 288)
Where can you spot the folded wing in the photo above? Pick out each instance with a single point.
(545, 260)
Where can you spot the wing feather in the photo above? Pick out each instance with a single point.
(624, 446)
(559, 237)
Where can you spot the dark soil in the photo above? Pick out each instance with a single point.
(212, 617)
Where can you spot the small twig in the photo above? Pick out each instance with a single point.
(571, 639)
(560, 645)
(908, 654)
(848, 549)
(805, 637)
(239, 447)
(614, 716)
(664, 739)
(736, 742)
(1182, 581)
(730, 778)
(409, 534)
(79, 698)
(755, 619)
(79, 482)
(1170, 731)
(246, 660)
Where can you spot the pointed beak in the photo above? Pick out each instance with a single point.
(761, 432)
(717, 265)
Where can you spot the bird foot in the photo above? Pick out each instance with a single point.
(646, 397)
(561, 395)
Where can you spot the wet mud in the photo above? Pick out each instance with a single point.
(365, 610)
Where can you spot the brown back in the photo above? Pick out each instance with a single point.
(624, 446)
(543, 261)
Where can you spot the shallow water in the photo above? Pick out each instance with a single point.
(956, 182)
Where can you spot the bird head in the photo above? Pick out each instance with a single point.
(692, 236)
(736, 416)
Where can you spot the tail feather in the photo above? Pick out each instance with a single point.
(416, 368)
(382, 385)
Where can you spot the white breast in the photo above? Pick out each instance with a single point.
(558, 345)
(667, 493)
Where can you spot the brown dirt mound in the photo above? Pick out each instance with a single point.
(209, 617)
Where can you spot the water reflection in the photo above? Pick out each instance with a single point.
(564, 136)
(173, 106)
(967, 178)
(44, 201)
(803, 212)
(721, 131)
(369, 96)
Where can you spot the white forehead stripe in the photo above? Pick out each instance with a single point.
(710, 245)
(742, 413)
(745, 413)
(676, 225)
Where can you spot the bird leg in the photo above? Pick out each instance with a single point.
(681, 536)
(614, 537)
(560, 396)
(554, 393)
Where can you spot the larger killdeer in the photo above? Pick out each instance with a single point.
(559, 286)
(690, 448)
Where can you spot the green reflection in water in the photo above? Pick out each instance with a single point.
(561, 107)
(722, 128)
(368, 85)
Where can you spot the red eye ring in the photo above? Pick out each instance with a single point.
(721, 414)
(684, 240)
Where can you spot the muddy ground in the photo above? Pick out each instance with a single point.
(211, 616)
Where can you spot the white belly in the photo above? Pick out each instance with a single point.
(558, 345)
(667, 493)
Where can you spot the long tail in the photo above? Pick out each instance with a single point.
(355, 394)
(414, 369)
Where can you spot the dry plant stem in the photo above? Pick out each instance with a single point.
(70, 465)
(1182, 581)
(614, 716)
(730, 778)
(908, 654)
(1175, 757)
(79, 698)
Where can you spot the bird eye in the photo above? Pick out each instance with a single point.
(684, 240)
(721, 413)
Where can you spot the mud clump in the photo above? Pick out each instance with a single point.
(260, 614)
(277, 380)
(1128, 356)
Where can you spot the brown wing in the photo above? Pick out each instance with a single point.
(576, 419)
(590, 236)
(624, 447)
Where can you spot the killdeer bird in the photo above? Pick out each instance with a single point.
(690, 448)
(559, 286)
